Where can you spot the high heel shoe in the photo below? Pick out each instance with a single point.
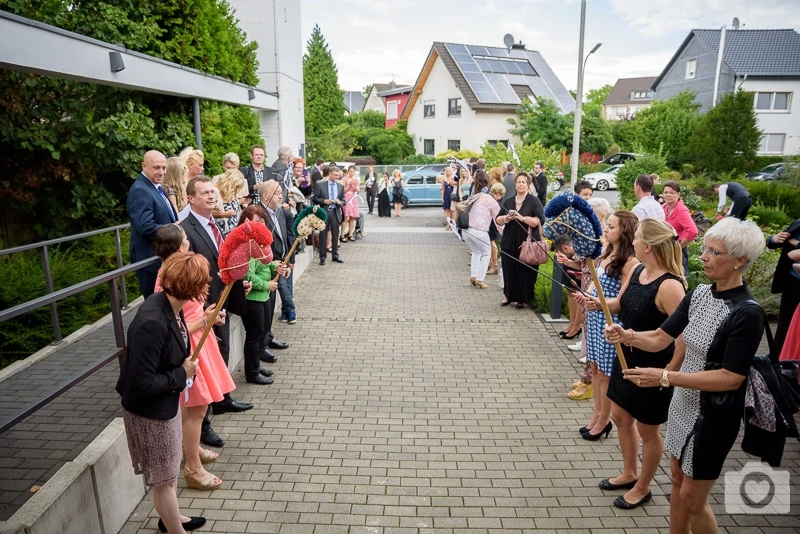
(480, 285)
(594, 437)
(573, 336)
(209, 483)
(472, 280)
(193, 523)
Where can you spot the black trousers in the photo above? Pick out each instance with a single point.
(254, 322)
(269, 316)
(332, 226)
(147, 281)
(740, 208)
(370, 200)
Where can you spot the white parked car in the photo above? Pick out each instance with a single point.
(606, 179)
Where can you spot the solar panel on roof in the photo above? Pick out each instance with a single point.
(477, 50)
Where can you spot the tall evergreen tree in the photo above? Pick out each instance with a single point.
(726, 138)
(323, 98)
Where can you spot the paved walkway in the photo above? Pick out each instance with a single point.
(411, 402)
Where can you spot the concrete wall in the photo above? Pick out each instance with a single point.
(96, 492)
(777, 122)
(703, 83)
(472, 128)
(275, 26)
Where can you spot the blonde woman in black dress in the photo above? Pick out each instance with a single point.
(647, 298)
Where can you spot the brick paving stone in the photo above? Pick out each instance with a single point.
(408, 402)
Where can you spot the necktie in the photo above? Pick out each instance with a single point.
(332, 192)
(216, 233)
(167, 202)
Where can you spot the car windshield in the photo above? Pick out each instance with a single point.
(771, 168)
(610, 170)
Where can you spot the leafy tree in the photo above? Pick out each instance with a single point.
(626, 176)
(726, 138)
(667, 125)
(68, 149)
(336, 144)
(626, 133)
(324, 101)
(594, 99)
(542, 122)
(391, 144)
(369, 118)
(227, 129)
(528, 155)
(596, 135)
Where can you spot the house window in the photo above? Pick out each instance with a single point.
(772, 143)
(503, 142)
(454, 145)
(429, 109)
(641, 95)
(691, 68)
(454, 107)
(428, 149)
(391, 110)
(772, 101)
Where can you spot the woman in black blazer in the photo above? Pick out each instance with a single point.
(152, 376)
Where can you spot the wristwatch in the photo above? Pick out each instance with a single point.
(664, 379)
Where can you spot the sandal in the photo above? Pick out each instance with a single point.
(206, 457)
(582, 392)
(208, 482)
(492, 270)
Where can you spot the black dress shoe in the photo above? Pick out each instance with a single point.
(193, 523)
(620, 502)
(260, 379)
(210, 438)
(232, 406)
(322, 261)
(280, 345)
(265, 372)
(338, 260)
(268, 357)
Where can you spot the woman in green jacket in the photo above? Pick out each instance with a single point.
(254, 319)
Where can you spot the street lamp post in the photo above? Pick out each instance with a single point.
(576, 128)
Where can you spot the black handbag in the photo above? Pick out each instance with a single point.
(462, 221)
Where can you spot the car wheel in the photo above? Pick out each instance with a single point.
(602, 185)
(405, 201)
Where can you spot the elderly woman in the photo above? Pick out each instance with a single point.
(523, 215)
(213, 380)
(152, 376)
(650, 295)
(482, 210)
(721, 337)
(678, 215)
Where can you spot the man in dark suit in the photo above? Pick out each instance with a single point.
(541, 182)
(206, 239)
(256, 173)
(148, 209)
(282, 239)
(508, 181)
(315, 173)
(330, 195)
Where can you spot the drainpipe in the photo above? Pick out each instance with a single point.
(719, 66)
(198, 138)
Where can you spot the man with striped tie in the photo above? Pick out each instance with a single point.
(148, 209)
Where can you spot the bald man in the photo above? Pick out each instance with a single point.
(148, 209)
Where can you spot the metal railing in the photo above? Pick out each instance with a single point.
(48, 275)
(51, 299)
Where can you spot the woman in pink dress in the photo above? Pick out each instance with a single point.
(213, 379)
(791, 344)
(350, 210)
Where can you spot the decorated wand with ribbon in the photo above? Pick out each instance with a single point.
(309, 219)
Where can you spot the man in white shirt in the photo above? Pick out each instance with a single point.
(648, 207)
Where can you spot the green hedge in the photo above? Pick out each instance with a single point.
(22, 279)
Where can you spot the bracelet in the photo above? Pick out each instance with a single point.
(633, 337)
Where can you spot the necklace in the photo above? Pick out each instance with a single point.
(519, 202)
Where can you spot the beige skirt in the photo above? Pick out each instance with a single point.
(155, 446)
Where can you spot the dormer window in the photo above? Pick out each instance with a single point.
(691, 69)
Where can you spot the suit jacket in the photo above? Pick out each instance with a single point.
(782, 274)
(250, 175)
(541, 188)
(201, 243)
(151, 377)
(315, 175)
(283, 242)
(322, 194)
(147, 212)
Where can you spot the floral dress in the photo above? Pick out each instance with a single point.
(600, 351)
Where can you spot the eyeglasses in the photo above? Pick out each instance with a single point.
(713, 252)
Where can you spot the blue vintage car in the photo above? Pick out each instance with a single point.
(420, 187)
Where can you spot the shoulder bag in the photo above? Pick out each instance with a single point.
(533, 252)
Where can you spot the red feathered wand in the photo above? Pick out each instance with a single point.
(243, 242)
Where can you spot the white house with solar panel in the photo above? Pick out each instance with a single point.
(465, 95)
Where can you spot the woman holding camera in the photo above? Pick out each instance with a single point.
(523, 215)
(721, 334)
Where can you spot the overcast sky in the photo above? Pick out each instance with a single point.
(377, 40)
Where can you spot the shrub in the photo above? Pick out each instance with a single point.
(769, 217)
(418, 159)
(775, 194)
(528, 155)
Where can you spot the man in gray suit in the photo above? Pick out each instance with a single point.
(330, 196)
(508, 181)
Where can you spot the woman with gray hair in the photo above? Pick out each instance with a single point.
(721, 334)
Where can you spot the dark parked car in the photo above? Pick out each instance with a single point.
(773, 172)
(619, 157)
